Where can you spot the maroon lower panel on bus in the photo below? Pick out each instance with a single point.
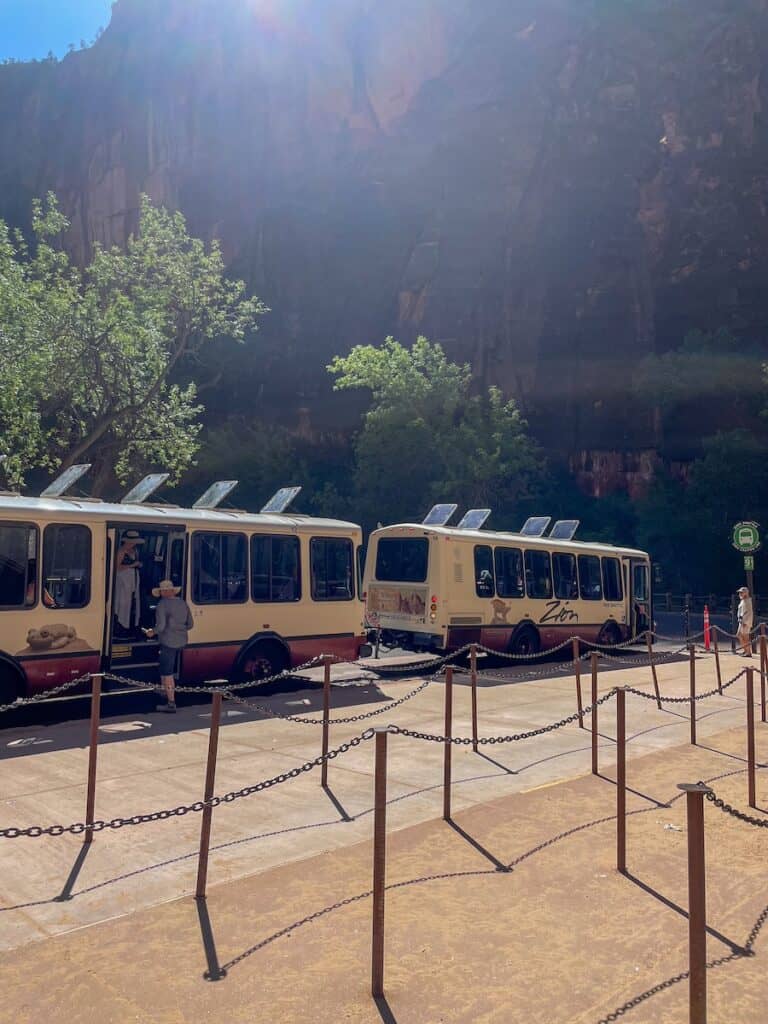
(207, 663)
(43, 673)
(305, 648)
(499, 638)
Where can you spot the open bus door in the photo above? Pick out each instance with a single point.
(157, 553)
(640, 596)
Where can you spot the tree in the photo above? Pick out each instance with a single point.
(426, 438)
(712, 373)
(92, 361)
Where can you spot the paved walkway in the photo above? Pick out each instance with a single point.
(511, 914)
(150, 762)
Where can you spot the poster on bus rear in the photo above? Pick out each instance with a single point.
(396, 603)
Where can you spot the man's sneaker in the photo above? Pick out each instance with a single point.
(169, 707)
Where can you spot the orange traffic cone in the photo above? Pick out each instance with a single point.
(707, 633)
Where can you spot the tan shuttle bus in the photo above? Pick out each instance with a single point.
(434, 587)
(267, 591)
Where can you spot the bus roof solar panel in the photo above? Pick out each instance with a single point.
(535, 526)
(215, 494)
(473, 519)
(144, 488)
(564, 529)
(280, 500)
(65, 480)
(439, 515)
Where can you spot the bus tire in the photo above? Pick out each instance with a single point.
(11, 684)
(525, 642)
(260, 660)
(609, 635)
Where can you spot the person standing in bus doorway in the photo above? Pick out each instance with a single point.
(173, 621)
(127, 597)
(745, 619)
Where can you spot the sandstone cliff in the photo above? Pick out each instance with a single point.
(549, 187)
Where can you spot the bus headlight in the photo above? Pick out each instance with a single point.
(432, 616)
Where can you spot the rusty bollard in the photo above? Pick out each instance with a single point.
(93, 750)
(692, 663)
(473, 678)
(575, 644)
(593, 665)
(379, 861)
(326, 716)
(697, 903)
(653, 669)
(751, 736)
(621, 780)
(210, 780)
(448, 745)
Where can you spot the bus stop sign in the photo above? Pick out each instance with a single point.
(746, 537)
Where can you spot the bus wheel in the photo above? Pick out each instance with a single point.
(266, 658)
(525, 642)
(609, 635)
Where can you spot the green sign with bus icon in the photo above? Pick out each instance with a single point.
(746, 537)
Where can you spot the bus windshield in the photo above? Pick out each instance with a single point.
(402, 559)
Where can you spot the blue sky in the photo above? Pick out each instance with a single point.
(30, 28)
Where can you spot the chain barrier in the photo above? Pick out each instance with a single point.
(397, 730)
(46, 694)
(686, 700)
(734, 811)
(35, 831)
(332, 721)
(680, 639)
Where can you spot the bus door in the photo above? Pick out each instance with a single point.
(640, 597)
(142, 556)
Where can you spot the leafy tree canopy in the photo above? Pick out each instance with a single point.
(426, 438)
(92, 360)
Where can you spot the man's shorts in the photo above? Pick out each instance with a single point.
(168, 658)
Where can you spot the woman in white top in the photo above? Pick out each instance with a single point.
(744, 615)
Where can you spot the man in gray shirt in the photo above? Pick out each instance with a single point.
(173, 620)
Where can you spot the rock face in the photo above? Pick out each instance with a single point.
(551, 188)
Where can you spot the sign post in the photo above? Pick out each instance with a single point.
(746, 539)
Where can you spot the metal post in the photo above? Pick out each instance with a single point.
(751, 736)
(379, 860)
(763, 669)
(621, 781)
(577, 672)
(447, 745)
(473, 677)
(93, 750)
(326, 715)
(593, 664)
(697, 903)
(717, 660)
(210, 779)
(692, 659)
(653, 669)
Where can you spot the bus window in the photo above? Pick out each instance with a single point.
(67, 566)
(177, 561)
(566, 580)
(331, 565)
(589, 578)
(483, 571)
(509, 572)
(612, 587)
(640, 582)
(18, 565)
(402, 559)
(219, 568)
(538, 574)
(275, 574)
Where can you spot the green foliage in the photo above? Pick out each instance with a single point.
(715, 367)
(426, 438)
(687, 525)
(91, 361)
